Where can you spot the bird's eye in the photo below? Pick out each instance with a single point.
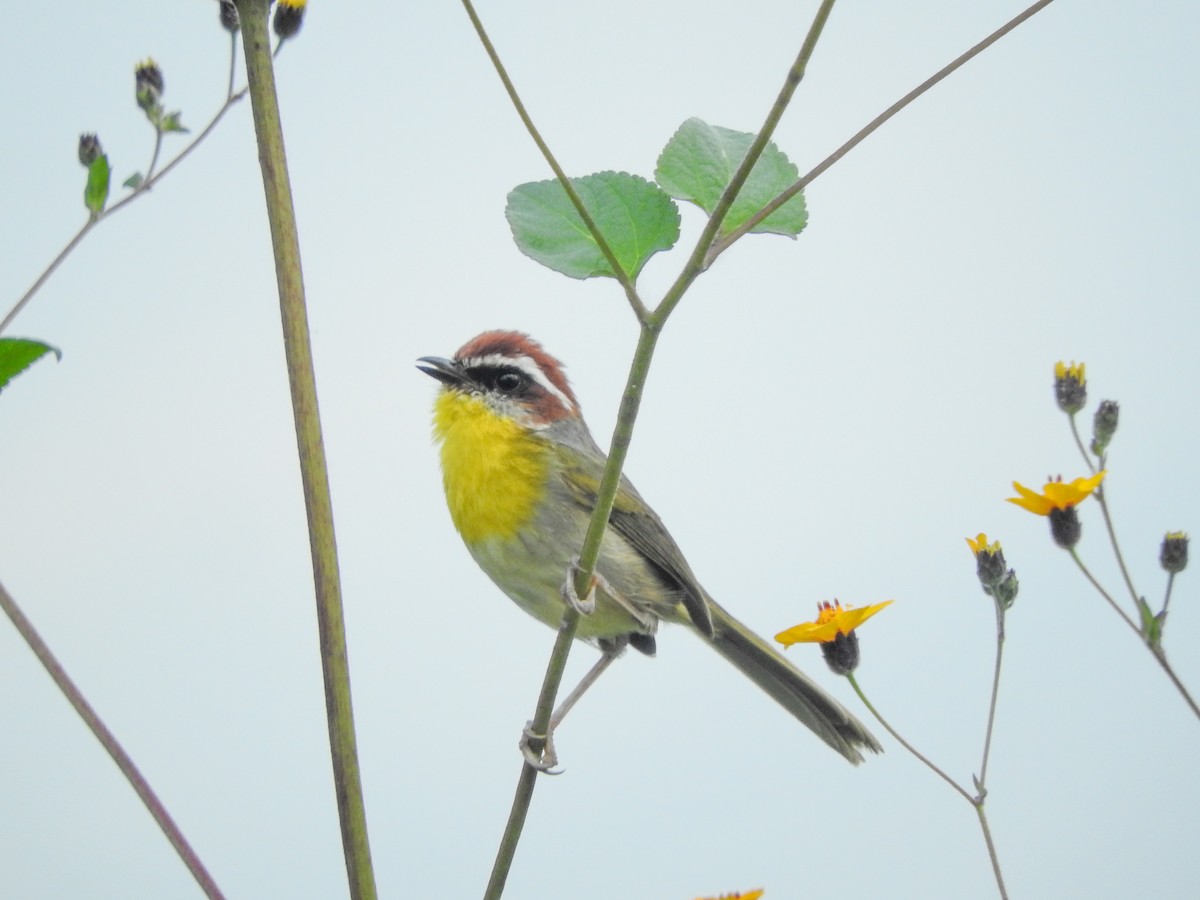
(508, 382)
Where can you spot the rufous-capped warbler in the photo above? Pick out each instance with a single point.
(521, 472)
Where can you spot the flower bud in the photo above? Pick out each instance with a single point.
(1005, 589)
(229, 16)
(841, 653)
(148, 84)
(1174, 554)
(289, 16)
(1105, 425)
(1065, 527)
(89, 149)
(1070, 387)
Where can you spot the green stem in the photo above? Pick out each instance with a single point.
(528, 778)
(702, 257)
(1087, 458)
(313, 472)
(158, 138)
(1103, 593)
(991, 848)
(905, 744)
(110, 743)
(987, 740)
(620, 274)
(1167, 596)
(976, 801)
(141, 190)
(651, 327)
(1155, 650)
(706, 250)
(872, 126)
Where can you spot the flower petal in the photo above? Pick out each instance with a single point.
(1031, 500)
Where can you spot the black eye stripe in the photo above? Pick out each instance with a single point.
(505, 379)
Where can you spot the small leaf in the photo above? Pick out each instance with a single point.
(636, 218)
(170, 122)
(699, 161)
(95, 195)
(133, 181)
(18, 354)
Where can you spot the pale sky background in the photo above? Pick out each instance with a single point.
(825, 418)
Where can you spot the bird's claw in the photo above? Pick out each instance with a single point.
(545, 760)
(587, 605)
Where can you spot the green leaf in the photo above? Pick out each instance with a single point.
(95, 195)
(18, 354)
(699, 161)
(636, 218)
(133, 181)
(170, 122)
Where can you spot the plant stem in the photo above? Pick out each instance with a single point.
(1087, 458)
(905, 744)
(1167, 596)
(991, 848)
(987, 740)
(158, 138)
(976, 801)
(872, 126)
(528, 777)
(141, 190)
(1156, 651)
(795, 75)
(651, 327)
(110, 743)
(620, 274)
(313, 472)
(1103, 593)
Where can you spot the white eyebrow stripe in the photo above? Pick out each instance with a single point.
(526, 365)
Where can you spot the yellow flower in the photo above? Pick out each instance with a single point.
(1075, 370)
(749, 895)
(1056, 494)
(981, 545)
(832, 619)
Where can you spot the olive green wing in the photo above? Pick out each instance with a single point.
(635, 521)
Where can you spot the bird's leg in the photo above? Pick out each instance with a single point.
(546, 760)
(587, 605)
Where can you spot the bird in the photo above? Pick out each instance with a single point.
(521, 472)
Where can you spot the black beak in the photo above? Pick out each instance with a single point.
(446, 371)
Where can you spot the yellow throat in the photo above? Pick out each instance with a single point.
(494, 470)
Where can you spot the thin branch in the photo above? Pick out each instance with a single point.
(110, 743)
(991, 848)
(1167, 596)
(991, 719)
(313, 470)
(528, 778)
(933, 767)
(872, 126)
(619, 272)
(142, 189)
(703, 256)
(1155, 650)
(1103, 593)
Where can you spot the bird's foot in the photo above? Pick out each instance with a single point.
(545, 759)
(587, 605)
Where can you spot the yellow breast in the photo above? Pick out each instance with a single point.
(492, 468)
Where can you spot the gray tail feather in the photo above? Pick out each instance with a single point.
(791, 688)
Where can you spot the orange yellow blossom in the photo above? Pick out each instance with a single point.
(749, 895)
(980, 545)
(833, 619)
(1056, 494)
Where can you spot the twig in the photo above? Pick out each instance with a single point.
(313, 471)
(872, 126)
(110, 743)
